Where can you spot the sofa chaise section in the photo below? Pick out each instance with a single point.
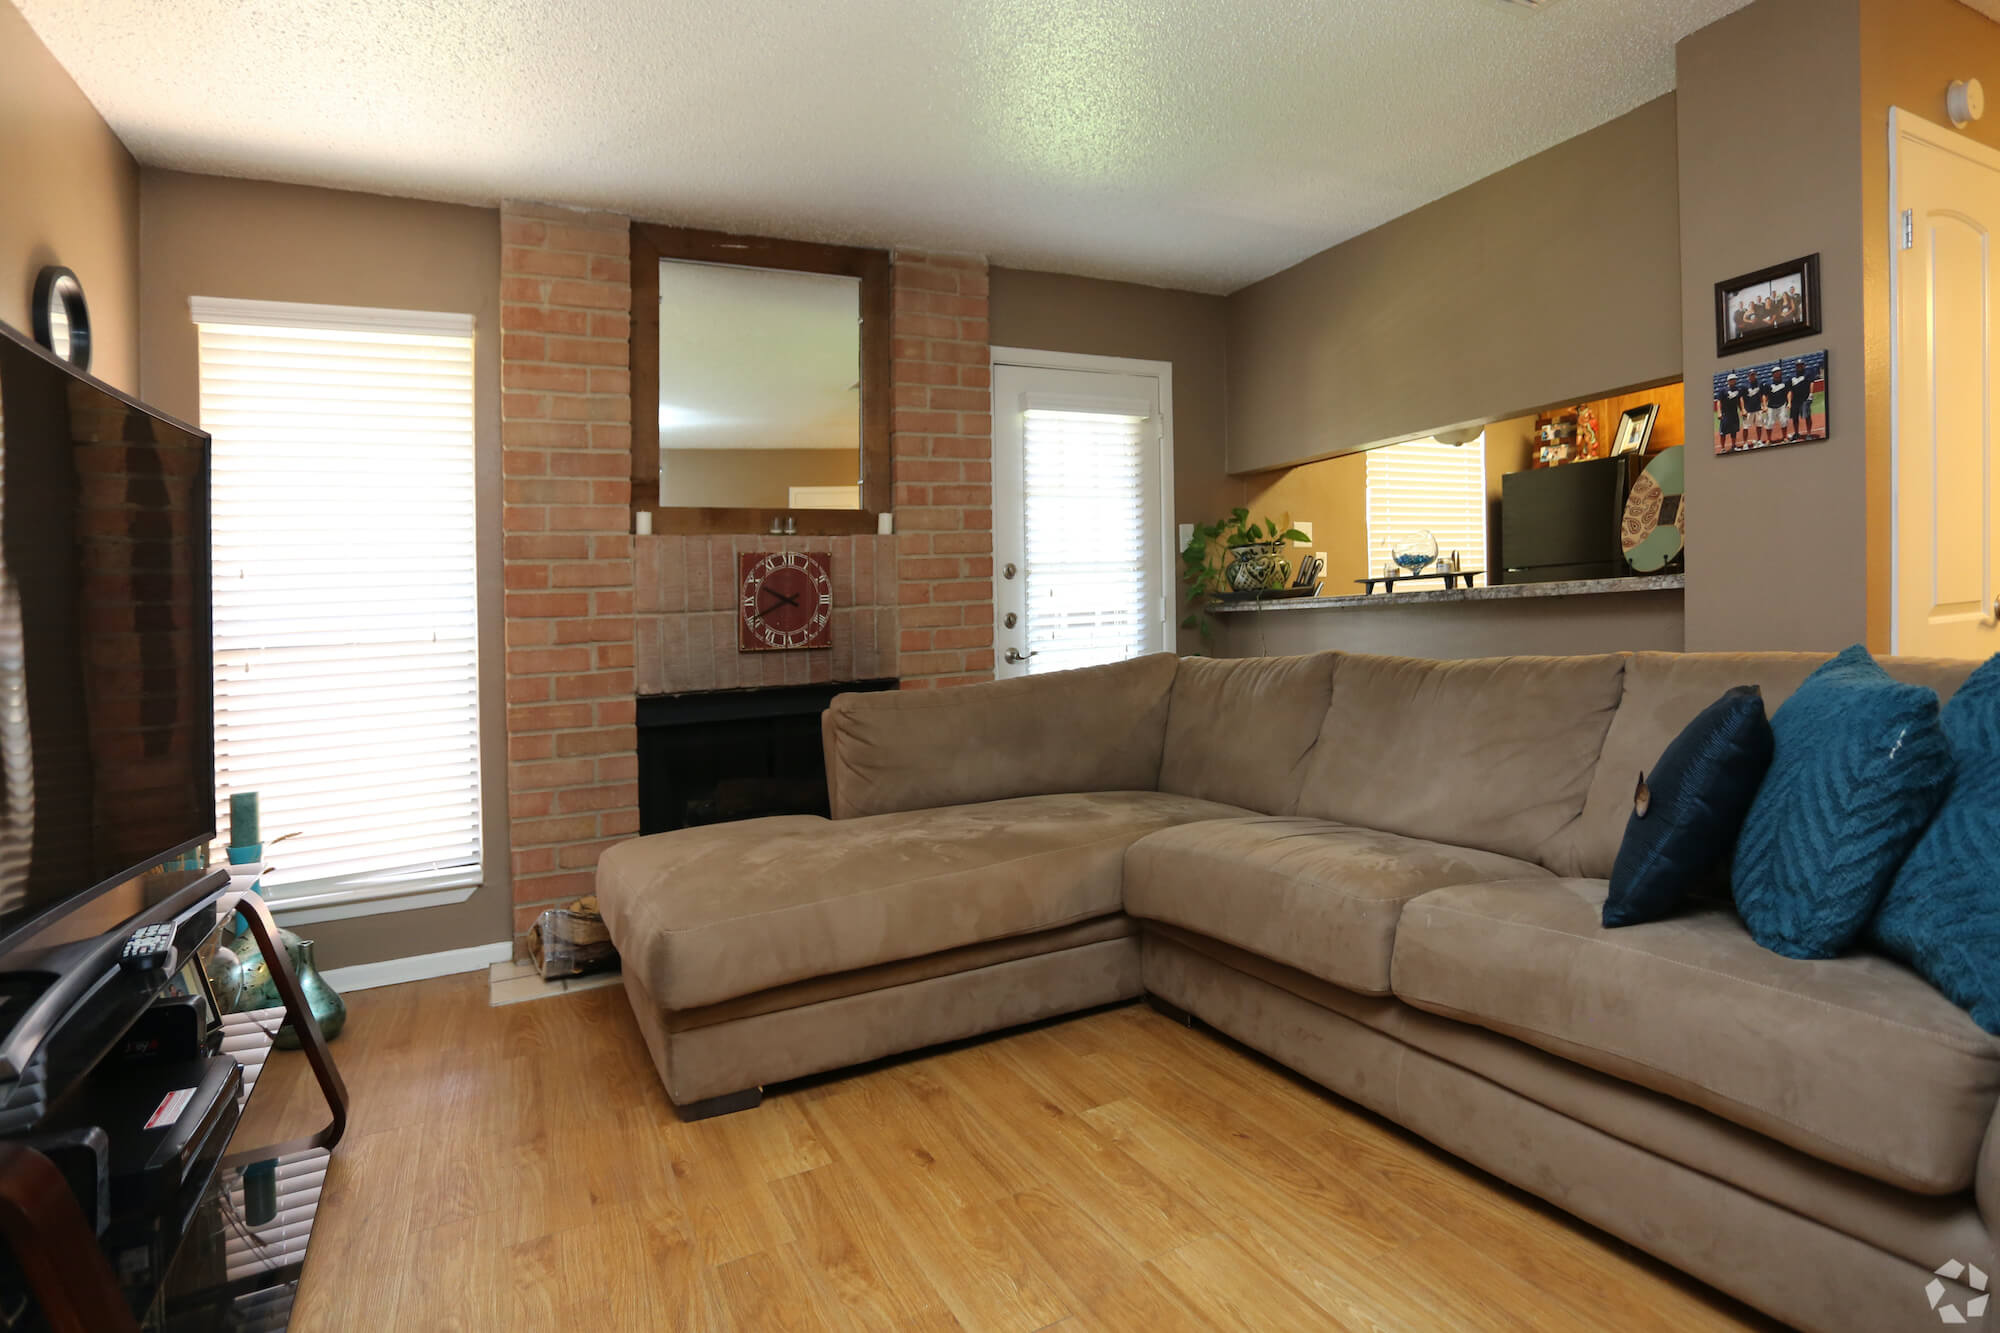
(770, 949)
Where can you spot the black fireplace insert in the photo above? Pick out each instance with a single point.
(719, 755)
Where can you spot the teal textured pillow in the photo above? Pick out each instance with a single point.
(1942, 913)
(1858, 768)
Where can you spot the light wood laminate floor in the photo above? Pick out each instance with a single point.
(519, 1168)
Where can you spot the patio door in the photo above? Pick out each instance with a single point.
(1082, 533)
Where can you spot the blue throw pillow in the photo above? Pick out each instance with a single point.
(1859, 767)
(1687, 811)
(1942, 913)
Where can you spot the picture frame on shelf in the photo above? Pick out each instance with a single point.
(1770, 305)
(1635, 429)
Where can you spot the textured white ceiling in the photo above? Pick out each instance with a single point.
(1196, 143)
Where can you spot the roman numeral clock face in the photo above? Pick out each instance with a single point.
(785, 600)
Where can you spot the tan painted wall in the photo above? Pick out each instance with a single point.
(1553, 280)
(1054, 312)
(209, 236)
(1911, 50)
(1777, 538)
(753, 478)
(69, 194)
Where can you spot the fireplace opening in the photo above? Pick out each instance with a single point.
(721, 755)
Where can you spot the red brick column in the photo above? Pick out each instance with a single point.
(942, 436)
(565, 427)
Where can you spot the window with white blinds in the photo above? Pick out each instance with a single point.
(1425, 486)
(346, 664)
(1090, 583)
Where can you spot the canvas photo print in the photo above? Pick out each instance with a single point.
(1779, 402)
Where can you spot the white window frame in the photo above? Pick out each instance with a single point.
(1163, 371)
(437, 890)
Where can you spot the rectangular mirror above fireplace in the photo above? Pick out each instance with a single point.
(760, 383)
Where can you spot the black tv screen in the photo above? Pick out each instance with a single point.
(107, 759)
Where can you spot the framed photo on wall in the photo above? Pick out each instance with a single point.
(1772, 305)
(1778, 402)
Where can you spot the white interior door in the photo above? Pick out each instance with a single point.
(1945, 201)
(1081, 512)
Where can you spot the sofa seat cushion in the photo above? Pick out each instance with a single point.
(1856, 1061)
(1321, 897)
(707, 914)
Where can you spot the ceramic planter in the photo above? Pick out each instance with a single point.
(1255, 567)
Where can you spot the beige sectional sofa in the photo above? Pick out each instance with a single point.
(1387, 874)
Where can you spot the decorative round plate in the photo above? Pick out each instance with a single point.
(1655, 528)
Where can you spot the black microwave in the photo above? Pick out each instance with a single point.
(1563, 522)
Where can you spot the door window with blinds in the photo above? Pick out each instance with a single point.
(346, 617)
(1427, 486)
(1079, 518)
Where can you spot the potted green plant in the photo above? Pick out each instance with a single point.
(1255, 560)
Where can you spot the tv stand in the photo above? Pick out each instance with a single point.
(54, 1244)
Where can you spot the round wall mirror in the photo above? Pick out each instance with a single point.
(62, 320)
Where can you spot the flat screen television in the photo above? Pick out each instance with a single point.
(107, 762)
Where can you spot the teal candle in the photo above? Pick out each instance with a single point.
(243, 830)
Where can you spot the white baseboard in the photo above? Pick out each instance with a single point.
(422, 967)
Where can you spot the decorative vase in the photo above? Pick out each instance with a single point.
(1255, 567)
(259, 990)
(1414, 552)
(225, 977)
(327, 1007)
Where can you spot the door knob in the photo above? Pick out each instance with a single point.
(1015, 655)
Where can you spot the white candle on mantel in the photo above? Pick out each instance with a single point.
(642, 523)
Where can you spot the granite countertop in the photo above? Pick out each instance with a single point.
(1506, 592)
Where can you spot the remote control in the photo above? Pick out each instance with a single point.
(150, 946)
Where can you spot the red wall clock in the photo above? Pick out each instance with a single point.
(784, 600)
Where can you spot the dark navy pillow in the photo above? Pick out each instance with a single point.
(1686, 812)
(1942, 913)
(1860, 767)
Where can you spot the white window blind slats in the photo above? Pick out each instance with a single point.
(346, 619)
(1089, 581)
(1427, 486)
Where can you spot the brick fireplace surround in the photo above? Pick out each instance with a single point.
(595, 616)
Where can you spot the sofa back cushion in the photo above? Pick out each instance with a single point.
(1662, 693)
(1095, 729)
(1239, 730)
(1495, 753)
